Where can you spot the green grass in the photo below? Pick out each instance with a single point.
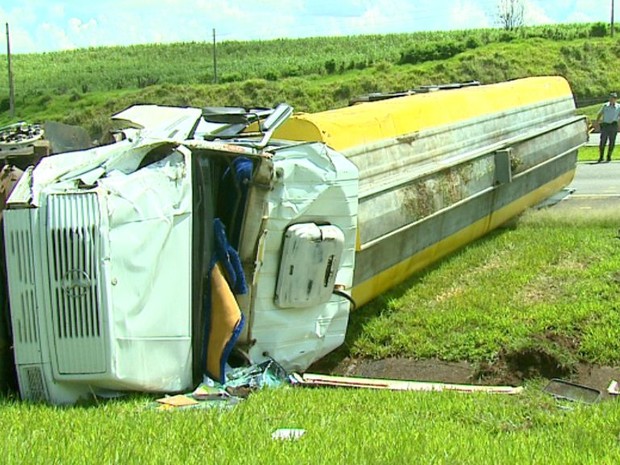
(548, 278)
(588, 154)
(85, 86)
(112, 68)
(341, 426)
(554, 276)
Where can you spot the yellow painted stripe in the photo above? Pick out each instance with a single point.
(385, 280)
(366, 123)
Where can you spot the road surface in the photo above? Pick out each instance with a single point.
(595, 188)
(596, 180)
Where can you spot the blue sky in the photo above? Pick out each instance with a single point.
(40, 25)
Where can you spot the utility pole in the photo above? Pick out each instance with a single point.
(11, 88)
(612, 17)
(214, 60)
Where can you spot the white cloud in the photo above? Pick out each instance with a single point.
(535, 14)
(22, 14)
(20, 40)
(372, 20)
(77, 26)
(40, 25)
(58, 36)
(468, 15)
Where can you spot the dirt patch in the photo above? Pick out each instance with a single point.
(510, 369)
(514, 367)
(407, 369)
(548, 356)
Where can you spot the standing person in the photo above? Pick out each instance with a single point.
(607, 119)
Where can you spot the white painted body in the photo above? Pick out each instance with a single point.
(100, 257)
(115, 316)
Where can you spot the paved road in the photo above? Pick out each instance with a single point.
(595, 190)
(597, 180)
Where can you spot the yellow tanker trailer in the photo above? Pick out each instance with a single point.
(441, 168)
(138, 265)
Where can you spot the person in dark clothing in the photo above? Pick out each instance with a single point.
(607, 120)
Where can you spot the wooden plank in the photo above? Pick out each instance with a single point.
(309, 379)
(177, 401)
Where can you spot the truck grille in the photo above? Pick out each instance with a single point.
(74, 255)
(25, 326)
(33, 384)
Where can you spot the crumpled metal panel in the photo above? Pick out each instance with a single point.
(175, 123)
(149, 221)
(143, 230)
(313, 184)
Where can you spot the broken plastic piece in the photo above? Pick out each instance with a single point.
(566, 390)
(288, 433)
(614, 388)
(205, 392)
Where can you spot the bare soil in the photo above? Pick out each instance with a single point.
(510, 369)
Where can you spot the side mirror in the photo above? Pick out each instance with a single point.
(274, 121)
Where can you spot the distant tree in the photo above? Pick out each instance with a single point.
(511, 14)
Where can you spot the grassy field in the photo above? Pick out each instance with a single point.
(86, 86)
(139, 66)
(548, 282)
(341, 426)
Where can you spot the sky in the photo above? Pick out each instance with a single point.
(42, 25)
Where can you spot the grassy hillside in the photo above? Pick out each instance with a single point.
(540, 293)
(86, 86)
(112, 68)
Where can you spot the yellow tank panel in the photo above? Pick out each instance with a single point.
(370, 122)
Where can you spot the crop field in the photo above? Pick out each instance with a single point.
(111, 68)
(85, 86)
(538, 298)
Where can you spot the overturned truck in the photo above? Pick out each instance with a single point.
(140, 264)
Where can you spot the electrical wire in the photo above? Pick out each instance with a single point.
(341, 293)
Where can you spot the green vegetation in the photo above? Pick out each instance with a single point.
(342, 426)
(588, 154)
(547, 284)
(86, 86)
(112, 68)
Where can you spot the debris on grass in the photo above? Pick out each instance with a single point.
(288, 433)
(309, 379)
(177, 401)
(565, 390)
(240, 383)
